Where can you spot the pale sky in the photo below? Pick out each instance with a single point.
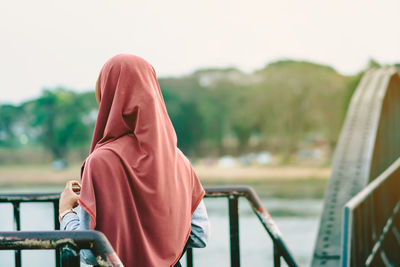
(46, 43)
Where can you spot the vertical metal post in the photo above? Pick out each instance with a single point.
(56, 227)
(69, 256)
(277, 256)
(55, 210)
(189, 257)
(17, 227)
(234, 230)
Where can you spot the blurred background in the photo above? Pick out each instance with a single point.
(257, 92)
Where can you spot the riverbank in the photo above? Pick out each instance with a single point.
(41, 174)
(276, 181)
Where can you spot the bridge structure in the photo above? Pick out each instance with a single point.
(357, 205)
(360, 222)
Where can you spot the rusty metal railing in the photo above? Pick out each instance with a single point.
(232, 193)
(371, 225)
(17, 199)
(68, 243)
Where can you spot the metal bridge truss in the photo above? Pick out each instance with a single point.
(368, 144)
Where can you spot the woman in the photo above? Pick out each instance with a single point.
(137, 187)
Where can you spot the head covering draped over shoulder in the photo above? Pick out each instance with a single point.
(137, 186)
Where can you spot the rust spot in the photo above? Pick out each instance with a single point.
(16, 242)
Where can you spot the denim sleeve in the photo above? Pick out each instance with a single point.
(200, 227)
(72, 222)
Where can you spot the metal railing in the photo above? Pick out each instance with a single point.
(17, 199)
(68, 244)
(232, 193)
(371, 225)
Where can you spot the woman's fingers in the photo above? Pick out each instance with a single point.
(73, 186)
(76, 189)
(69, 199)
(74, 182)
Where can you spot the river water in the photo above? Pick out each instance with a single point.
(297, 219)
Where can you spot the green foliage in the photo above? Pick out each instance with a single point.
(185, 118)
(285, 103)
(214, 111)
(9, 116)
(304, 99)
(59, 117)
(372, 63)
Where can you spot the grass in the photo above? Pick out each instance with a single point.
(278, 182)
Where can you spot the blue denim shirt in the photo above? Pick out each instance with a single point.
(198, 237)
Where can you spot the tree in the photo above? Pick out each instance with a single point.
(58, 115)
(9, 117)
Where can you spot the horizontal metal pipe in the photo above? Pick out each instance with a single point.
(29, 197)
(93, 240)
(374, 185)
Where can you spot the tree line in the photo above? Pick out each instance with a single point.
(214, 111)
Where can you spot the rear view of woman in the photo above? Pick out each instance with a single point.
(137, 187)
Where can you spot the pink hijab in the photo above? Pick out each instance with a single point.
(137, 186)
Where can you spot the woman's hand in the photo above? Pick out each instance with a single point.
(69, 198)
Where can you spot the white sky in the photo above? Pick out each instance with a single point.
(45, 43)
